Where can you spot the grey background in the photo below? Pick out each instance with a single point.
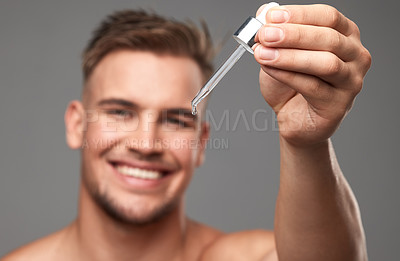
(40, 46)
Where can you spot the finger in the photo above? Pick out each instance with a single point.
(318, 15)
(275, 92)
(315, 91)
(308, 37)
(324, 65)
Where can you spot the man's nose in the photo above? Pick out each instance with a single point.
(147, 135)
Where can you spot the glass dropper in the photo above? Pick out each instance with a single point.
(245, 37)
(217, 76)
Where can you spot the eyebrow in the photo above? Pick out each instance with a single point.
(121, 102)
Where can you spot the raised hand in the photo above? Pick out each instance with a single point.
(312, 67)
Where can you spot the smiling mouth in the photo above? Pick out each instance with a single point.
(139, 173)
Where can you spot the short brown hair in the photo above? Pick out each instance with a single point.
(143, 31)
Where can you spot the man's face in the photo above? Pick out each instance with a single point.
(140, 143)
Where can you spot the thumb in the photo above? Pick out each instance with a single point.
(275, 93)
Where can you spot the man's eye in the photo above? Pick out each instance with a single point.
(176, 122)
(120, 113)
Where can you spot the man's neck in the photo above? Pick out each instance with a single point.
(100, 237)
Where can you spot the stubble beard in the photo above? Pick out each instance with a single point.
(125, 215)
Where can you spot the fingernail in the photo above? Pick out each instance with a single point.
(267, 53)
(273, 34)
(279, 16)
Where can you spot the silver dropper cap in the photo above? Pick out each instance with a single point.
(247, 32)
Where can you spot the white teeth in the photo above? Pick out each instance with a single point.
(139, 173)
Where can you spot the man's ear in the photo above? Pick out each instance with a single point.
(74, 124)
(204, 136)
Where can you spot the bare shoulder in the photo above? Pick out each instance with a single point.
(42, 249)
(243, 245)
(199, 237)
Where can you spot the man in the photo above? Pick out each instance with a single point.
(136, 136)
